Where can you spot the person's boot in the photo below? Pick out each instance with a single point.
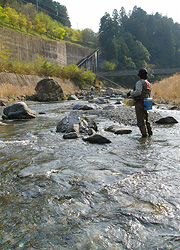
(149, 129)
(143, 131)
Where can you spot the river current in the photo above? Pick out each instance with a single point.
(69, 194)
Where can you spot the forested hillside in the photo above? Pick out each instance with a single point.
(126, 41)
(45, 18)
(54, 9)
(139, 40)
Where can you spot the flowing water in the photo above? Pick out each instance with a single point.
(69, 194)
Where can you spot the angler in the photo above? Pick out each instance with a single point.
(143, 102)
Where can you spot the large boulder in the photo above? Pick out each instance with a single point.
(18, 110)
(48, 90)
(77, 123)
(167, 120)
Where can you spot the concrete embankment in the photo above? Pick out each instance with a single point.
(26, 47)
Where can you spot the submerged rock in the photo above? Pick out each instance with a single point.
(167, 120)
(96, 138)
(75, 122)
(18, 110)
(118, 129)
(72, 135)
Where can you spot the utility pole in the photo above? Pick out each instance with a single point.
(37, 5)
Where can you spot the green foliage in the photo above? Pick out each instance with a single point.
(29, 26)
(137, 39)
(88, 36)
(22, 21)
(59, 33)
(3, 16)
(47, 69)
(13, 16)
(5, 54)
(29, 8)
(42, 24)
(40, 66)
(80, 76)
(39, 26)
(107, 66)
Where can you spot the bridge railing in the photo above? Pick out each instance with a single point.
(90, 62)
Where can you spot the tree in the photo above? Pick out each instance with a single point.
(13, 16)
(88, 36)
(22, 21)
(76, 35)
(108, 66)
(113, 50)
(140, 55)
(3, 16)
(61, 14)
(39, 27)
(59, 33)
(105, 31)
(29, 26)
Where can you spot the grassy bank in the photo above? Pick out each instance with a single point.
(167, 90)
(9, 92)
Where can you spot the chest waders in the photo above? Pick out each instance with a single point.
(141, 113)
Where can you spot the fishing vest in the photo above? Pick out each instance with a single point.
(146, 90)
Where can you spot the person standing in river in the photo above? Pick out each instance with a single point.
(142, 90)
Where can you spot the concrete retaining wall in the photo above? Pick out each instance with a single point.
(25, 47)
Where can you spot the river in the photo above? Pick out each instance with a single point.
(69, 194)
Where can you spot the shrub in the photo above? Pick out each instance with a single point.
(80, 76)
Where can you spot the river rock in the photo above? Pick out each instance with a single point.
(72, 97)
(102, 101)
(116, 129)
(85, 107)
(48, 90)
(118, 102)
(75, 122)
(167, 120)
(2, 103)
(71, 135)
(113, 92)
(18, 110)
(96, 138)
(109, 107)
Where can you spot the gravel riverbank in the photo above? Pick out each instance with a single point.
(124, 115)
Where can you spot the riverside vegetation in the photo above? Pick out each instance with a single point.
(25, 18)
(166, 90)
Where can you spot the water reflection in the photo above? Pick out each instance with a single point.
(61, 194)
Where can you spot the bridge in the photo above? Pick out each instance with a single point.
(134, 72)
(91, 62)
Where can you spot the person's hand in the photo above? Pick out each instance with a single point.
(128, 94)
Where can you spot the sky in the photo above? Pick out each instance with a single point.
(87, 14)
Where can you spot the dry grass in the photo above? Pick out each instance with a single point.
(12, 91)
(167, 90)
(164, 91)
